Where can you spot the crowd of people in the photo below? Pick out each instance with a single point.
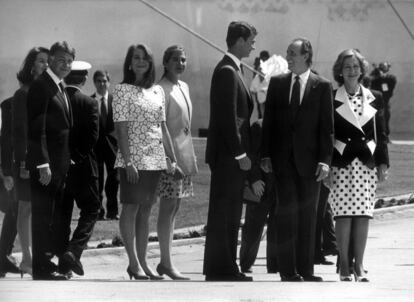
(314, 153)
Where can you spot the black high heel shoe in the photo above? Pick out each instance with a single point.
(136, 276)
(161, 269)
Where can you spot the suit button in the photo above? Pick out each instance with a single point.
(349, 139)
(362, 138)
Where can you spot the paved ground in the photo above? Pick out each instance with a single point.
(389, 259)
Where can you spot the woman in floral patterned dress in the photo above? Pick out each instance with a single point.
(139, 116)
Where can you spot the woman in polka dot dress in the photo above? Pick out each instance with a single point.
(360, 159)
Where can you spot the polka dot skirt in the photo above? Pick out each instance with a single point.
(170, 188)
(353, 190)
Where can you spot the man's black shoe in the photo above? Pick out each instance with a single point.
(292, 278)
(312, 278)
(238, 277)
(332, 252)
(323, 261)
(246, 270)
(69, 260)
(51, 276)
(7, 266)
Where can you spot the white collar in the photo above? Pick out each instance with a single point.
(53, 76)
(98, 96)
(73, 86)
(303, 76)
(235, 59)
(348, 114)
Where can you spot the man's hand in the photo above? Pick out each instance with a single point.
(8, 182)
(266, 165)
(45, 175)
(245, 163)
(382, 172)
(258, 188)
(322, 171)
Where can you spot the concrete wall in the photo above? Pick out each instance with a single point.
(101, 32)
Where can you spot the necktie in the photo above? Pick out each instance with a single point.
(104, 112)
(295, 98)
(62, 90)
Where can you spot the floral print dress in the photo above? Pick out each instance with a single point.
(144, 110)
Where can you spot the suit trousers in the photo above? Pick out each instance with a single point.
(223, 222)
(255, 218)
(81, 187)
(9, 228)
(106, 159)
(295, 222)
(325, 233)
(46, 216)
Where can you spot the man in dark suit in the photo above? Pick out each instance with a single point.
(82, 179)
(298, 145)
(48, 157)
(227, 153)
(106, 147)
(8, 204)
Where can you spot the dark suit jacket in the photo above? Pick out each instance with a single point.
(353, 138)
(230, 110)
(309, 137)
(6, 137)
(107, 136)
(19, 129)
(84, 134)
(49, 123)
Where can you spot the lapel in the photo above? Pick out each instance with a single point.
(185, 96)
(229, 61)
(348, 114)
(60, 97)
(286, 90)
(310, 84)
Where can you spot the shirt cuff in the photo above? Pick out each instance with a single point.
(239, 157)
(43, 166)
(323, 164)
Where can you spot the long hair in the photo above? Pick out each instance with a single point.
(129, 75)
(25, 75)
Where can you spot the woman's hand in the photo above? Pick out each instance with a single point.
(171, 166)
(382, 172)
(132, 174)
(179, 174)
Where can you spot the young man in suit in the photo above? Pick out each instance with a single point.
(106, 147)
(82, 180)
(298, 145)
(48, 157)
(227, 153)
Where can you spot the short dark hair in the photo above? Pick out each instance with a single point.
(306, 48)
(64, 47)
(101, 73)
(264, 55)
(25, 75)
(339, 63)
(239, 29)
(129, 75)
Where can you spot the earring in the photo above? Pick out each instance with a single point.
(129, 68)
